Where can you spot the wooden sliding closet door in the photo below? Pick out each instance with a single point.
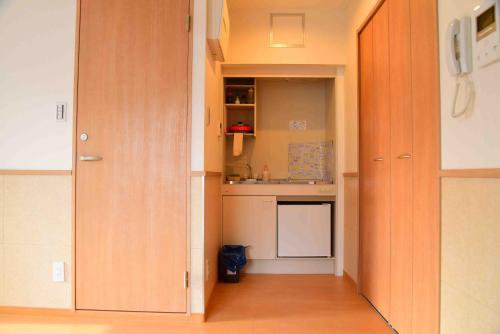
(375, 162)
(131, 206)
(401, 165)
(399, 195)
(426, 157)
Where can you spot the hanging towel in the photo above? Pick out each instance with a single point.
(237, 144)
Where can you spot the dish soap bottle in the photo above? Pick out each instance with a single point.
(265, 173)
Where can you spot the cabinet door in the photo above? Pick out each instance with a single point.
(374, 162)
(251, 221)
(401, 166)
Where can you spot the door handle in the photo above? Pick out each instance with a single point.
(378, 159)
(405, 156)
(90, 158)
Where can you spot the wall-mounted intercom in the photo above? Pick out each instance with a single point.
(459, 59)
(459, 46)
(487, 32)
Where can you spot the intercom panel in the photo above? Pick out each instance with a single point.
(487, 30)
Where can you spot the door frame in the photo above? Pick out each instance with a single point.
(437, 173)
(187, 162)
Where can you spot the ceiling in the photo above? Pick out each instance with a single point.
(289, 4)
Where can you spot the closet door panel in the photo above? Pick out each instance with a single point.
(426, 192)
(401, 165)
(382, 169)
(366, 186)
(375, 171)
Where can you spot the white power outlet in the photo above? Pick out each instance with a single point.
(58, 271)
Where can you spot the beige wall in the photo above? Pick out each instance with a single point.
(197, 279)
(470, 296)
(213, 114)
(280, 101)
(35, 230)
(351, 229)
(462, 147)
(198, 76)
(37, 66)
(206, 229)
(214, 141)
(37, 72)
(213, 231)
(250, 28)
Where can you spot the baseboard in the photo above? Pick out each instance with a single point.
(70, 313)
(291, 266)
(197, 317)
(350, 279)
(36, 311)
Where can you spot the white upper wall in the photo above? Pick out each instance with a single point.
(325, 36)
(37, 56)
(472, 141)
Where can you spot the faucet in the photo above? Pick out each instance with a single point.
(250, 175)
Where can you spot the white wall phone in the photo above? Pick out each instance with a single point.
(460, 46)
(459, 54)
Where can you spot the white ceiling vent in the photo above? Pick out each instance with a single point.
(287, 30)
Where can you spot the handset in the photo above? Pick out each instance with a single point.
(459, 44)
(452, 47)
(465, 44)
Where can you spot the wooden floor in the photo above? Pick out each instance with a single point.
(267, 304)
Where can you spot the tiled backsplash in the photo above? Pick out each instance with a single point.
(311, 161)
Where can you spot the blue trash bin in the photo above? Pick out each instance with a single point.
(232, 259)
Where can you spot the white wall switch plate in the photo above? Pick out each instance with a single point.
(57, 271)
(61, 112)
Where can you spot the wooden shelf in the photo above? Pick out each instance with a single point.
(241, 106)
(244, 133)
(245, 113)
(240, 86)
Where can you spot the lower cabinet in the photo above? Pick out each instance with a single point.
(251, 221)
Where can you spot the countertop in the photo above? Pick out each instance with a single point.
(284, 189)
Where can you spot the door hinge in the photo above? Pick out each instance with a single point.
(188, 23)
(186, 280)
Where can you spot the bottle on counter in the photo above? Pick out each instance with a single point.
(250, 98)
(265, 173)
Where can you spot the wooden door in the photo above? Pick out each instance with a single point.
(401, 165)
(251, 221)
(131, 206)
(375, 162)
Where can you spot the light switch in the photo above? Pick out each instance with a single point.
(61, 111)
(58, 271)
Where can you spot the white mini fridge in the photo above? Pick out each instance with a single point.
(304, 229)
